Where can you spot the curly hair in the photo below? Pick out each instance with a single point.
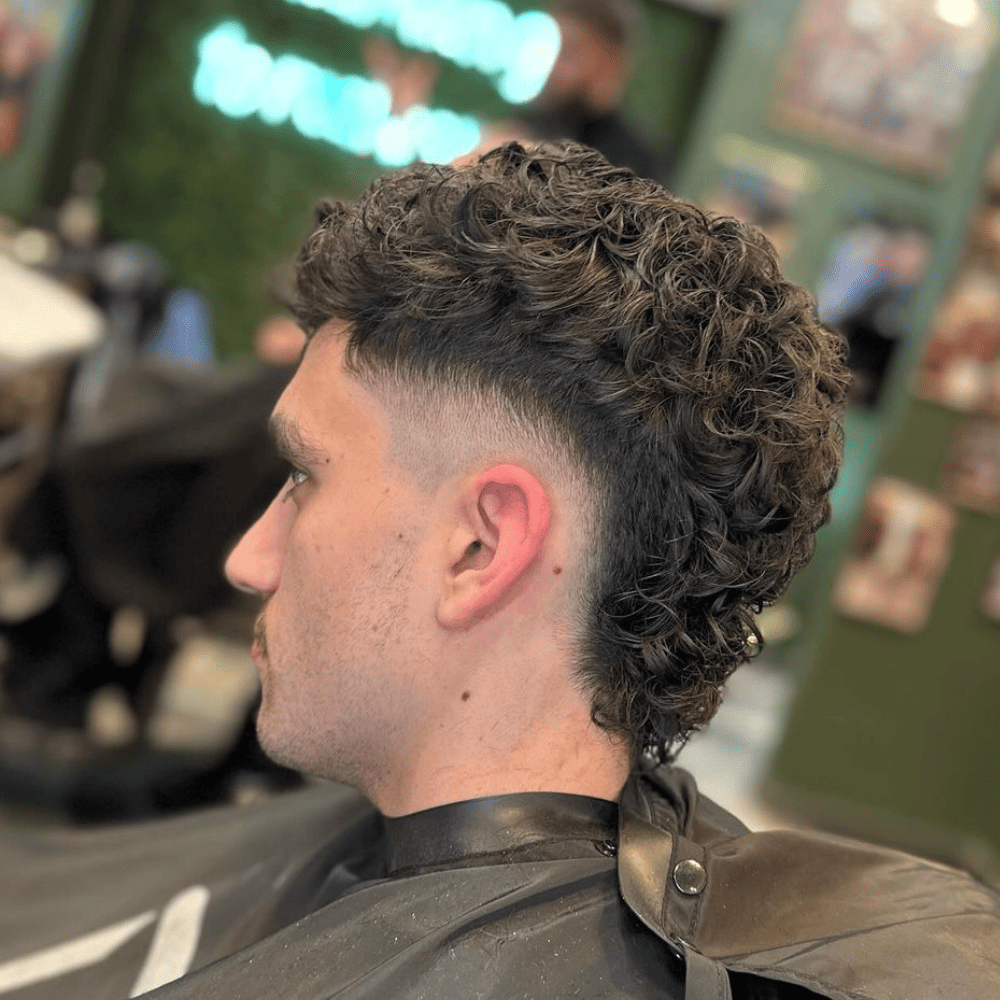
(666, 352)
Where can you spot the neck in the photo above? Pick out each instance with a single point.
(467, 759)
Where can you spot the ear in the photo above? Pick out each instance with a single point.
(503, 525)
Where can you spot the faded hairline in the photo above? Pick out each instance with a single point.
(441, 429)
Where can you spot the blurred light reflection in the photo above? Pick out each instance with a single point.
(517, 52)
(240, 79)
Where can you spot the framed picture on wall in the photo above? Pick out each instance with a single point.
(890, 80)
(990, 601)
(901, 549)
(763, 186)
(961, 364)
(972, 470)
(36, 40)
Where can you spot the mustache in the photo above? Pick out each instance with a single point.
(260, 634)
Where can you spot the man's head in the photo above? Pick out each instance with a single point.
(595, 54)
(570, 379)
(423, 535)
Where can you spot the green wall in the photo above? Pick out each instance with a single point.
(674, 60)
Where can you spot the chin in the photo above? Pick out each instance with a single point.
(282, 742)
(271, 740)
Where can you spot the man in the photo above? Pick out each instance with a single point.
(584, 89)
(556, 436)
(865, 289)
(583, 92)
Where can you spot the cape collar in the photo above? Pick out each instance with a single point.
(528, 826)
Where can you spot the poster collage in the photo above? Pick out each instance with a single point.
(32, 33)
(891, 81)
(905, 535)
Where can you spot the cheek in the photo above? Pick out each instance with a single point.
(337, 543)
(325, 550)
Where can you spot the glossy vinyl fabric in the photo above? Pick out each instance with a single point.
(313, 895)
(840, 918)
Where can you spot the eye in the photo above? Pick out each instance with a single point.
(297, 478)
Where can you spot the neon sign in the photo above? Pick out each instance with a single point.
(516, 52)
(352, 113)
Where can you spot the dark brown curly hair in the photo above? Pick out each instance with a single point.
(664, 349)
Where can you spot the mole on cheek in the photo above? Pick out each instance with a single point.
(465, 695)
(557, 570)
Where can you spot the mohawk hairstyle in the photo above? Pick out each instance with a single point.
(659, 344)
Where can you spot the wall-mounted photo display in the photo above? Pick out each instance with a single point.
(888, 79)
(32, 32)
(990, 601)
(761, 185)
(971, 476)
(873, 267)
(984, 232)
(25, 46)
(961, 364)
(37, 39)
(901, 549)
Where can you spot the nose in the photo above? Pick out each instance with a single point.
(254, 566)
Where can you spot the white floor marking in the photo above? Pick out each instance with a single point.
(175, 941)
(70, 955)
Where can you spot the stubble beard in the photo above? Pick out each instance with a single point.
(262, 661)
(260, 636)
(355, 755)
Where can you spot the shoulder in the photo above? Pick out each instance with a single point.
(843, 918)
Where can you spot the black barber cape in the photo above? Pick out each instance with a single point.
(313, 895)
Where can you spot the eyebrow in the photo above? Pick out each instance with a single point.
(292, 442)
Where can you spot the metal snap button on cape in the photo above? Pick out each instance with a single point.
(690, 877)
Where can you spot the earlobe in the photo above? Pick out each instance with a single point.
(503, 527)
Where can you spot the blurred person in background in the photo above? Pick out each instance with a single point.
(865, 290)
(544, 471)
(278, 340)
(24, 49)
(582, 97)
(106, 455)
